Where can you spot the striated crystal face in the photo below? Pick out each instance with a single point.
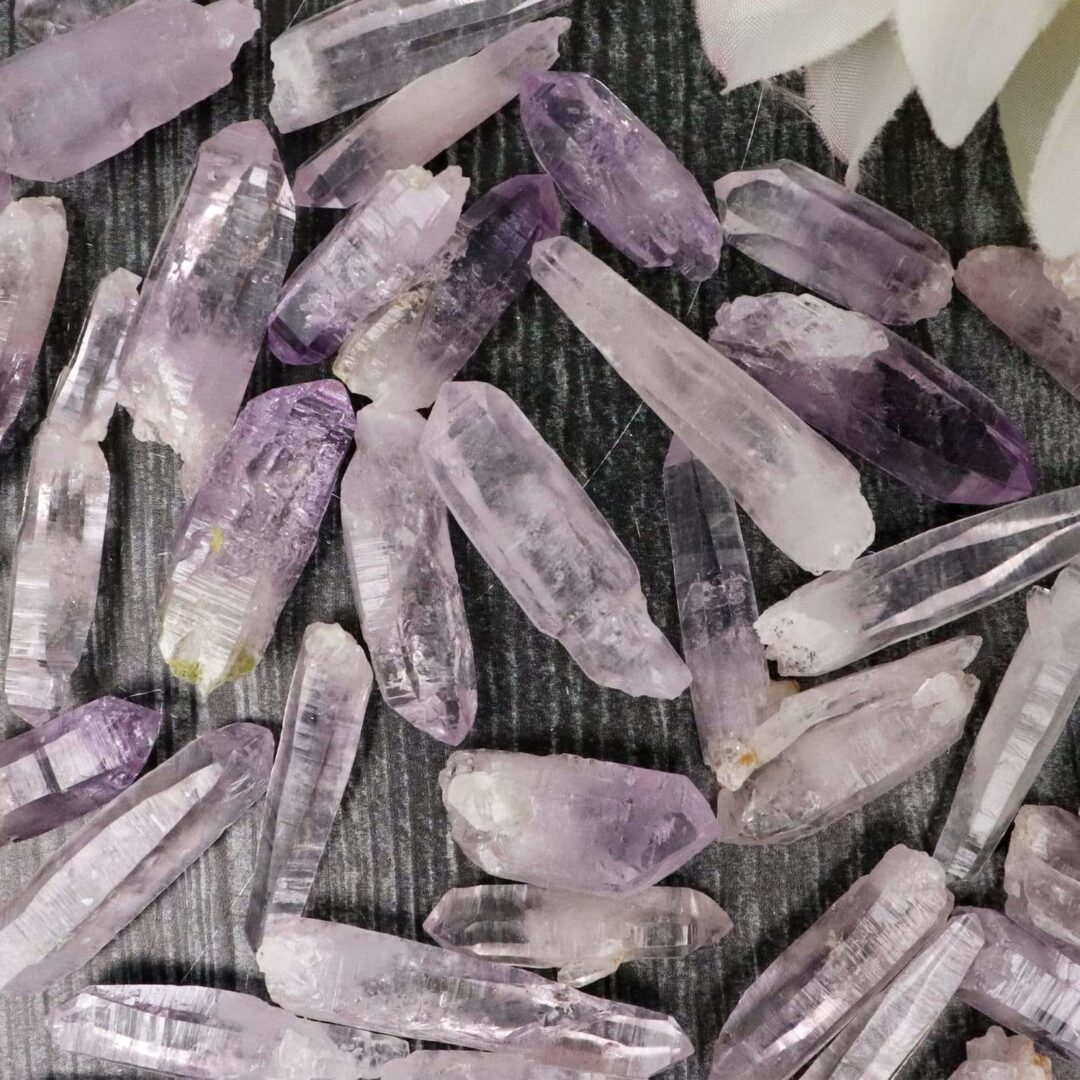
(406, 351)
(573, 823)
(799, 490)
(818, 983)
(545, 539)
(327, 971)
(586, 937)
(922, 583)
(468, 1065)
(39, 19)
(883, 398)
(209, 291)
(360, 50)
(123, 76)
(404, 579)
(249, 530)
(996, 1056)
(837, 243)
(209, 1034)
(71, 765)
(619, 174)
(426, 117)
(373, 253)
(128, 854)
(320, 734)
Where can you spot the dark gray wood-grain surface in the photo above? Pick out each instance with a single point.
(391, 856)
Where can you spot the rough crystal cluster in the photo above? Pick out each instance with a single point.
(71, 765)
(122, 76)
(127, 854)
(922, 583)
(327, 971)
(1034, 701)
(872, 391)
(619, 174)
(837, 243)
(545, 539)
(39, 19)
(320, 734)
(469, 1065)
(586, 937)
(818, 983)
(404, 579)
(800, 491)
(360, 50)
(374, 253)
(404, 353)
(198, 1032)
(209, 291)
(427, 116)
(249, 530)
(573, 823)
(996, 1056)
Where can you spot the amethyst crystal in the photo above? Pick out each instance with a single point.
(39, 19)
(470, 1065)
(997, 1056)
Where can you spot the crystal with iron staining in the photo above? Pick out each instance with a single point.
(320, 733)
(545, 539)
(375, 252)
(1033, 299)
(619, 174)
(882, 696)
(39, 19)
(922, 583)
(815, 986)
(573, 823)
(586, 937)
(248, 532)
(72, 765)
(404, 579)
(123, 76)
(426, 117)
(1025, 983)
(1037, 694)
(889, 1030)
(802, 492)
(837, 243)
(128, 854)
(197, 1032)
(880, 396)
(996, 1056)
(360, 50)
(404, 354)
(210, 289)
(469, 1065)
(328, 971)
(33, 245)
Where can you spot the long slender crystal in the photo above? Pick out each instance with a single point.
(39, 19)
(800, 491)
(320, 734)
(470, 1065)
(921, 584)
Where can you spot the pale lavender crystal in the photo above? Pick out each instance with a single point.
(837, 243)
(127, 854)
(404, 353)
(122, 76)
(816, 985)
(619, 174)
(209, 291)
(207, 1034)
(586, 937)
(573, 823)
(996, 1056)
(360, 50)
(72, 765)
(922, 583)
(5, 190)
(39, 19)
(1037, 694)
(404, 579)
(249, 530)
(545, 539)
(426, 117)
(883, 398)
(375, 252)
(33, 245)
(327, 971)
(469, 1065)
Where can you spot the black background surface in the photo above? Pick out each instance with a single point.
(391, 856)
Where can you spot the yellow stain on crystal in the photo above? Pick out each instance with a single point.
(217, 540)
